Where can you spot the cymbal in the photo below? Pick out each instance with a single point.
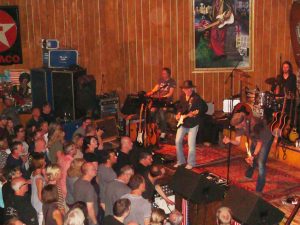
(270, 80)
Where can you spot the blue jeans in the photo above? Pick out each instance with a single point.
(192, 134)
(260, 161)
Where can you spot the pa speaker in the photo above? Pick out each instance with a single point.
(41, 86)
(250, 209)
(109, 127)
(65, 88)
(196, 187)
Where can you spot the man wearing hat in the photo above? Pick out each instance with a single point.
(10, 110)
(191, 106)
(259, 138)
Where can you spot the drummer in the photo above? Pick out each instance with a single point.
(286, 84)
(163, 89)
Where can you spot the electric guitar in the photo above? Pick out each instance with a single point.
(279, 121)
(294, 135)
(220, 23)
(184, 116)
(139, 138)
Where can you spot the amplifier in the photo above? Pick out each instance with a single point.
(108, 106)
(60, 58)
(50, 43)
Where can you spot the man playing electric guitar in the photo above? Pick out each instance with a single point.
(192, 106)
(260, 138)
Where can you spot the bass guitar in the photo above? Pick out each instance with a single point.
(184, 116)
(140, 135)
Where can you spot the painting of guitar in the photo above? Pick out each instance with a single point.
(220, 22)
(184, 116)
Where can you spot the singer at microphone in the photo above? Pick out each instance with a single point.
(163, 89)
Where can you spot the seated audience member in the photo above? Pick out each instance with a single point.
(13, 221)
(106, 173)
(117, 188)
(9, 174)
(64, 162)
(123, 154)
(18, 158)
(73, 174)
(38, 164)
(41, 147)
(78, 141)
(51, 212)
(47, 113)
(175, 218)
(81, 130)
(4, 151)
(155, 172)
(158, 217)
(19, 204)
(3, 125)
(140, 211)
(75, 217)
(21, 136)
(36, 119)
(56, 137)
(145, 161)
(85, 192)
(53, 176)
(10, 110)
(121, 209)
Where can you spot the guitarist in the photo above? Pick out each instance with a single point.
(260, 138)
(192, 105)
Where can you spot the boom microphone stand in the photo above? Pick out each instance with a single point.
(230, 76)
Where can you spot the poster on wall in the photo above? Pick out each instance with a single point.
(10, 38)
(222, 34)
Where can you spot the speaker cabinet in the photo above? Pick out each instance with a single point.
(41, 86)
(196, 187)
(65, 87)
(109, 126)
(250, 209)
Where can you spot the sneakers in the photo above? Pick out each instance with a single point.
(189, 167)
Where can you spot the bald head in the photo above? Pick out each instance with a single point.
(126, 144)
(89, 170)
(40, 145)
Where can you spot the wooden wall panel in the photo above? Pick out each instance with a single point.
(125, 43)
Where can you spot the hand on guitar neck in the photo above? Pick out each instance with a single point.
(181, 118)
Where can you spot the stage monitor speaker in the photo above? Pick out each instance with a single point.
(109, 126)
(196, 187)
(248, 208)
(41, 86)
(65, 87)
(131, 105)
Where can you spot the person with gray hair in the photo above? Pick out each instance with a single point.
(19, 204)
(74, 217)
(117, 188)
(175, 218)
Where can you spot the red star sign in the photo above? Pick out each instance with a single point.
(8, 31)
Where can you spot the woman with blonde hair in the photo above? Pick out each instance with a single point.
(56, 136)
(38, 164)
(78, 141)
(158, 217)
(73, 173)
(53, 176)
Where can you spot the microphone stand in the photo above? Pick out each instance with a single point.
(229, 118)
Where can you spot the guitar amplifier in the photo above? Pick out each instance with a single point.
(108, 106)
(60, 58)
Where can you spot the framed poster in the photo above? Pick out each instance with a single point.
(222, 34)
(10, 37)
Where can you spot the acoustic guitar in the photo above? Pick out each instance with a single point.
(288, 125)
(279, 120)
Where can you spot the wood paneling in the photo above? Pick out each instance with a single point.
(125, 43)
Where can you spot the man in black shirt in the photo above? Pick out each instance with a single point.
(190, 108)
(121, 210)
(145, 161)
(123, 154)
(19, 204)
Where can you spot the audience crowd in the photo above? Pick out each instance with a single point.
(45, 179)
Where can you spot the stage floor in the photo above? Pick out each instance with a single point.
(282, 180)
